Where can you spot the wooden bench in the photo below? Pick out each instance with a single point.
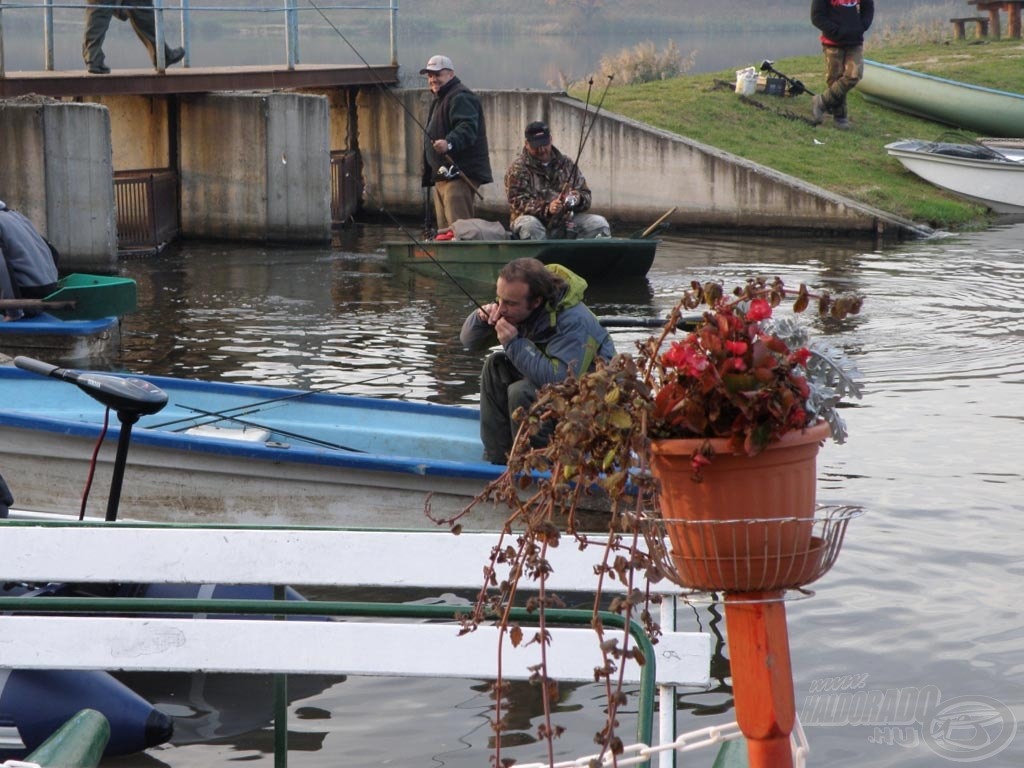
(980, 26)
(142, 553)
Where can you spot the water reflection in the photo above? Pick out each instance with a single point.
(926, 589)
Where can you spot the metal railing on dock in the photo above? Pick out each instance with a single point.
(21, 22)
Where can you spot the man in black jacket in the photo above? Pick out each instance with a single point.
(456, 160)
(842, 24)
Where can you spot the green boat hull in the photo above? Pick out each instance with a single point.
(985, 111)
(595, 260)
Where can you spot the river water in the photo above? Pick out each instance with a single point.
(922, 607)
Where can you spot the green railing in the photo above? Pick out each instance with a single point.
(280, 608)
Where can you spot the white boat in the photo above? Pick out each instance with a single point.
(990, 175)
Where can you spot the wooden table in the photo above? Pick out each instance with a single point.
(993, 7)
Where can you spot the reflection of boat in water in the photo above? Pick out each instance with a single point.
(207, 706)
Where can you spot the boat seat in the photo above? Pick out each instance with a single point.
(244, 434)
(980, 26)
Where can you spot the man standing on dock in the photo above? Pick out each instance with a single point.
(842, 24)
(456, 159)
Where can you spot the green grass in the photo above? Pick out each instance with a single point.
(851, 163)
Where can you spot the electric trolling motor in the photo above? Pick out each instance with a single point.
(795, 86)
(130, 397)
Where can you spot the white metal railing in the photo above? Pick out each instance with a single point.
(290, 9)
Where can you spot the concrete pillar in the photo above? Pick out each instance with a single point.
(255, 167)
(55, 167)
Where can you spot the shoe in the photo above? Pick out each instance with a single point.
(174, 56)
(843, 123)
(99, 69)
(817, 110)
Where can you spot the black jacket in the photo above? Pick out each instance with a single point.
(842, 22)
(456, 116)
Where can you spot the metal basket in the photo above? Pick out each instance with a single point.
(749, 555)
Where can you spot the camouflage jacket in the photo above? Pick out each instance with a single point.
(530, 186)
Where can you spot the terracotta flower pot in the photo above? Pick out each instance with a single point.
(748, 525)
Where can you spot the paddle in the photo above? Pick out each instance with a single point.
(687, 322)
(643, 234)
(35, 304)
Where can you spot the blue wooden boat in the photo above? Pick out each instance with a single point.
(68, 341)
(225, 452)
(79, 321)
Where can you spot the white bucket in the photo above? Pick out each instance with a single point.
(746, 81)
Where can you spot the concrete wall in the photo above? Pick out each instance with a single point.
(57, 170)
(255, 166)
(636, 172)
(139, 131)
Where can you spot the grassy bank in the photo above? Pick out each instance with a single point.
(851, 163)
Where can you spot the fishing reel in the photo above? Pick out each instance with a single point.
(448, 172)
(571, 201)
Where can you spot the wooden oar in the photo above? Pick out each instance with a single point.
(643, 235)
(35, 304)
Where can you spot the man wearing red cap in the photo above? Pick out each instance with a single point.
(547, 193)
(456, 159)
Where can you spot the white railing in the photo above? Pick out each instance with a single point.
(291, 11)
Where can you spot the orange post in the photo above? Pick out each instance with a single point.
(762, 675)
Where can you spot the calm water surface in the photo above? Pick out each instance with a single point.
(923, 601)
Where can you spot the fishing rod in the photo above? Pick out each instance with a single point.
(684, 322)
(583, 141)
(583, 122)
(293, 435)
(259, 404)
(383, 86)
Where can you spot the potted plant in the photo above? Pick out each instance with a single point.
(651, 433)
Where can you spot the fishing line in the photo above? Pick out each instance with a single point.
(383, 86)
(276, 430)
(223, 413)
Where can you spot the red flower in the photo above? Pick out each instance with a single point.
(759, 309)
(738, 348)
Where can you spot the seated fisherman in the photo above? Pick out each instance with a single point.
(545, 331)
(28, 264)
(547, 193)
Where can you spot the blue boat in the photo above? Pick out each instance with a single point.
(232, 453)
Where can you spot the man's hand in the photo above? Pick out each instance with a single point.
(506, 331)
(441, 146)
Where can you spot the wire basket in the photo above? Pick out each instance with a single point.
(749, 555)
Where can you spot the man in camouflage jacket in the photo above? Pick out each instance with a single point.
(547, 193)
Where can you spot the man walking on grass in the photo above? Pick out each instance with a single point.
(842, 24)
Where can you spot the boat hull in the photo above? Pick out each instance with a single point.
(995, 183)
(374, 463)
(595, 260)
(961, 105)
(65, 341)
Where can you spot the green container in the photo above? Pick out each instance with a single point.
(95, 296)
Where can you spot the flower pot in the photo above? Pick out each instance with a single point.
(747, 526)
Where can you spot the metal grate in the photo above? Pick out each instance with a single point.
(346, 184)
(147, 208)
